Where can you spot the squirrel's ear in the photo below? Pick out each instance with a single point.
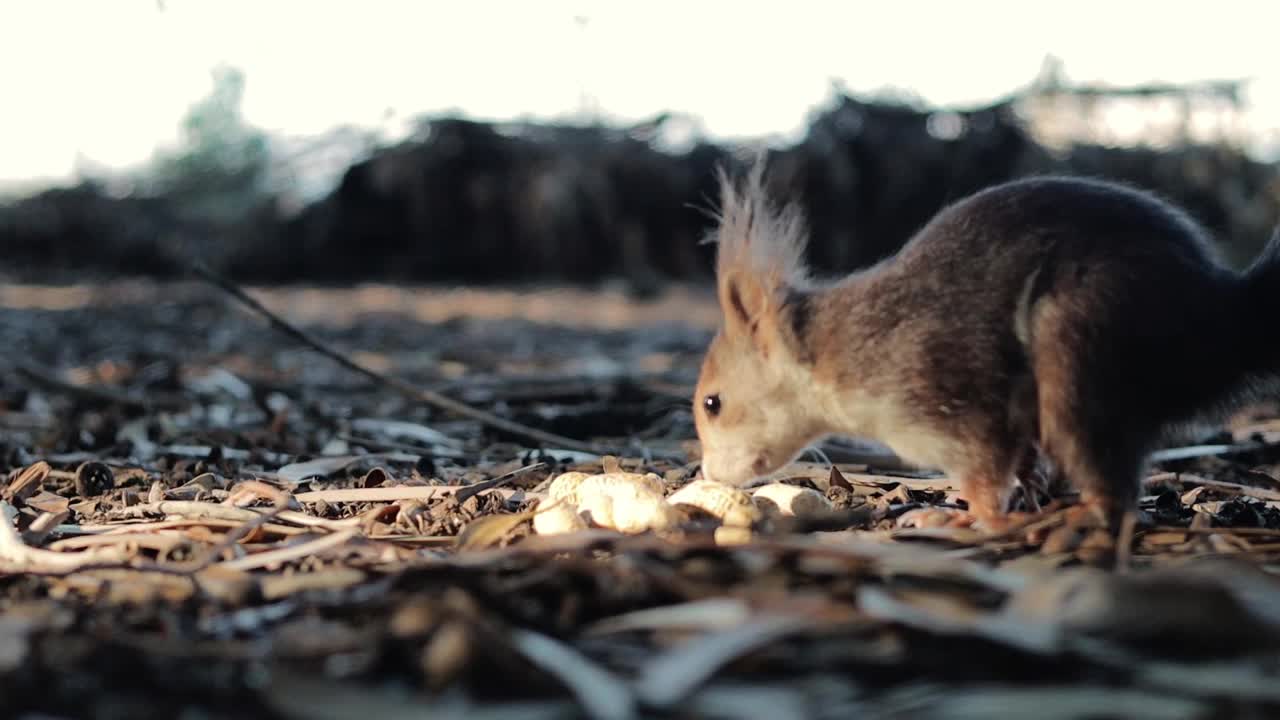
(750, 309)
(742, 300)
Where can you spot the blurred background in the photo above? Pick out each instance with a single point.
(574, 142)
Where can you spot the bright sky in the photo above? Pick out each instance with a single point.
(106, 81)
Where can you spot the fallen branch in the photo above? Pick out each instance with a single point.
(18, 556)
(97, 395)
(408, 389)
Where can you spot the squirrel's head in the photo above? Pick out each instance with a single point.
(753, 403)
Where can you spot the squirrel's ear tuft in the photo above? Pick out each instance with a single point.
(755, 235)
(760, 253)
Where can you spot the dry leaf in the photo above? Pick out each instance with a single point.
(26, 482)
(490, 530)
(601, 694)
(669, 677)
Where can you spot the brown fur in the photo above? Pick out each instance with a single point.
(1084, 319)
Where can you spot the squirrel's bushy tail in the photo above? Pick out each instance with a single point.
(1262, 311)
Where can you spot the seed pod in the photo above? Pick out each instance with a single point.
(648, 481)
(596, 508)
(568, 485)
(732, 535)
(655, 482)
(794, 500)
(641, 511)
(626, 502)
(565, 486)
(562, 517)
(729, 504)
(93, 479)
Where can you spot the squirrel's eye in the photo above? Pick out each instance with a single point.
(711, 404)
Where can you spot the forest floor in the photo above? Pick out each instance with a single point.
(203, 518)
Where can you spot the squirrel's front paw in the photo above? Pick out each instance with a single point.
(936, 517)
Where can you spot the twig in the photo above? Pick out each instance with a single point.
(1241, 531)
(305, 520)
(402, 492)
(199, 513)
(292, 552)
(162, 541)
(492, 483)
(43, 525)
(1258, 493)
(72, 532)
(17, 554)
(408, 389)
(189, 509)
(279, 503)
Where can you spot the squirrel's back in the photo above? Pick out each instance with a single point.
(1013, 225)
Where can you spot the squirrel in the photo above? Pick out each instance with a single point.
(1072, 320)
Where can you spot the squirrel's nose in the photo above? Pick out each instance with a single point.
(761, 465)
